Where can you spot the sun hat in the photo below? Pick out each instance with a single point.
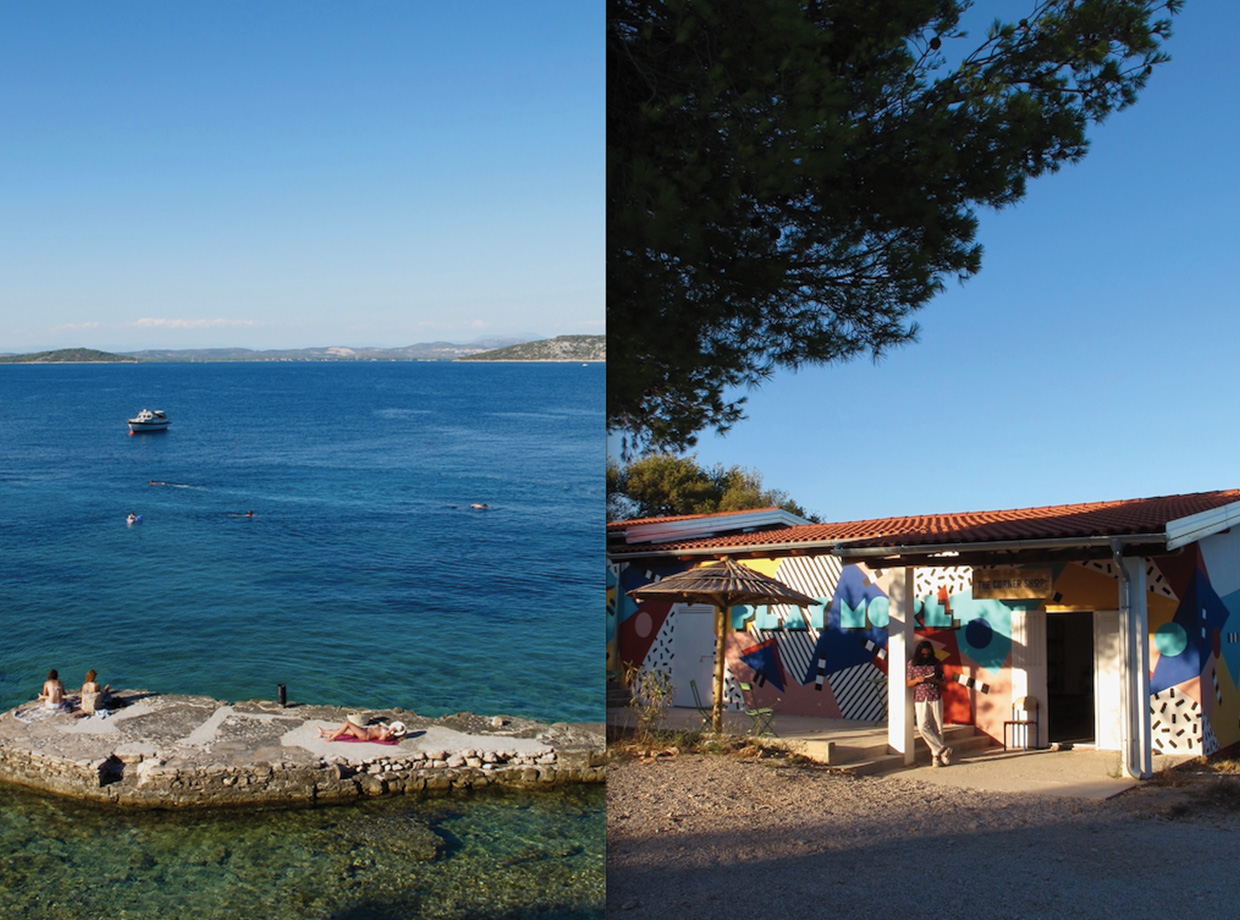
(398, 729)
(358, 718)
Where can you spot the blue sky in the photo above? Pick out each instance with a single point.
(287, 174)
(1095, 356)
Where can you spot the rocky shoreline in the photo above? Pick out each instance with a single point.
(156, 751)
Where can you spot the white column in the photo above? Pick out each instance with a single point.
(899, 641)
(1135, 671)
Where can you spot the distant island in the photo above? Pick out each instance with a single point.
(69, 356)
(562, 348)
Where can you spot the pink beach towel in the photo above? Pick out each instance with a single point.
(360, 741)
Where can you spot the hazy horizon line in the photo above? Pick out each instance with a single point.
(118, 349)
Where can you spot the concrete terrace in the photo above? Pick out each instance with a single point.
(169, 751)
(978, 763)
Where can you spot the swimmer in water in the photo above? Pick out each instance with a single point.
(132, 517)
(479, 507)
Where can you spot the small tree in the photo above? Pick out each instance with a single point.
(663, 485)
(651, 698)
(790, 181)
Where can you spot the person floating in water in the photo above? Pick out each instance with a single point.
(479, 507)
(131, 519)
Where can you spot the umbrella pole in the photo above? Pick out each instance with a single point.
(720, 633)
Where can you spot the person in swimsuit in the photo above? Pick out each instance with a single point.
(393, 732)
(93, 696)
(53, 693)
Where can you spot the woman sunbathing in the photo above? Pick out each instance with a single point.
(53, 693)
(351, 729)
(93, 696)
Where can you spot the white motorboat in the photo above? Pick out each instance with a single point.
(149, 420)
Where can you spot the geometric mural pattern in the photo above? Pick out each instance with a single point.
(1176, 724)
(659, 658)
(796, 646)
(1156, 582)
(810, 574)
(764, 659)
(733, 698)
(861, 692)
(956, 579)
(849, 637)
(1186, 643)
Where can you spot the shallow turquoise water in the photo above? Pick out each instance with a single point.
(482, 855)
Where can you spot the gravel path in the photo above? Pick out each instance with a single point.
(703, 837)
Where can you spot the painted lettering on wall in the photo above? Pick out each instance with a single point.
(763, 617)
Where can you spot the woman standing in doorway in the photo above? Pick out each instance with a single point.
(925, 675)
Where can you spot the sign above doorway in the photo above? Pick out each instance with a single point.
(1012, 583)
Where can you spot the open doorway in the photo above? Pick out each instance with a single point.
(1070, 677)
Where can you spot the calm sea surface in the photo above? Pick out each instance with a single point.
(363, 578)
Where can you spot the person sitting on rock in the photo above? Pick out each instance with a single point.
(93, 696)
(53, 693)
(354, 727)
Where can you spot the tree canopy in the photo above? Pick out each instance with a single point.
(789, 181)
(663, 485)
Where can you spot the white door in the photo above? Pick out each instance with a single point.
(1107, 681)
(1029, 662)
(693, 653)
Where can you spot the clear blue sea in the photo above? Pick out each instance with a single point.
(363, 578)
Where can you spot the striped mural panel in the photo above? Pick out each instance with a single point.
(861, 693)
(815, 576)
(796, 648)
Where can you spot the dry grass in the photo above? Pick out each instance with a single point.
(669, 743)
(1199, 787)
(1223, 764)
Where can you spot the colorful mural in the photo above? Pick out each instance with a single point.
(1195, 649)
(831, 660)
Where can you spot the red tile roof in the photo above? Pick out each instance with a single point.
(621, 525)
(1129, 517)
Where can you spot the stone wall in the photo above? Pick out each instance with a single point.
(147, 781)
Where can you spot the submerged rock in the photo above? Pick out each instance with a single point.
(403, 835)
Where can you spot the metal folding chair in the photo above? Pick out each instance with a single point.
(704, 711)
(759, 719)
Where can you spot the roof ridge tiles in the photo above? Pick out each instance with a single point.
(1081, 519)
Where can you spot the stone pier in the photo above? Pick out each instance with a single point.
(157, 751)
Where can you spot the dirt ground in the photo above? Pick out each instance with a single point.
(698, 836)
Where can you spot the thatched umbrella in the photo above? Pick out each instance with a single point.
(723, 584)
